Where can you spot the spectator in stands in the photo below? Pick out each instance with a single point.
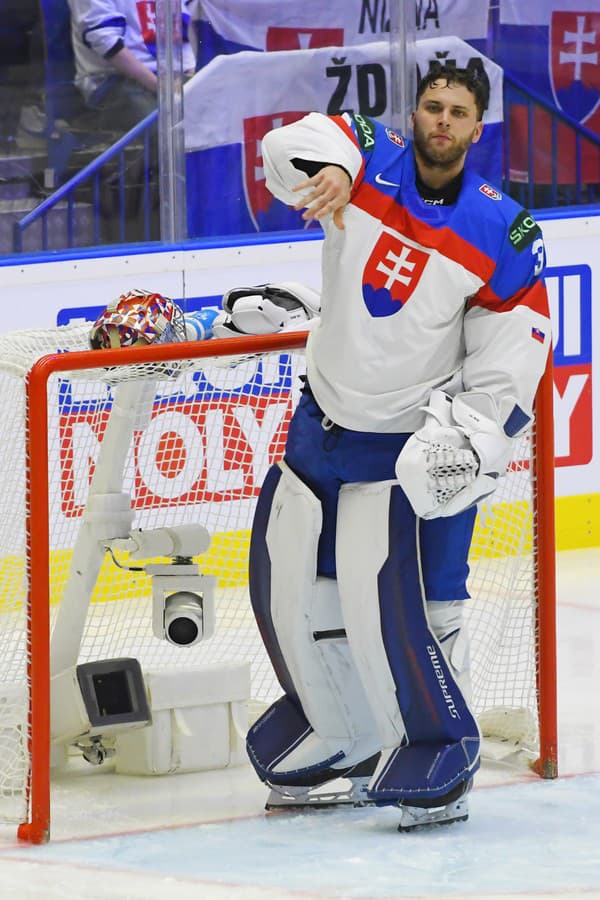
(20, 65)
(114, 42)
(115, 56)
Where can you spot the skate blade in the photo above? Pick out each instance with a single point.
(413, 817)
(432, 823)
(355, 796)
(299, 805)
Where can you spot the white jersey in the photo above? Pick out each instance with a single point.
(98, 26)
(415, 295)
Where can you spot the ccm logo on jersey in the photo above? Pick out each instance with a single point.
(490, 192)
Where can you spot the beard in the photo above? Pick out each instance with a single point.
(443, 157)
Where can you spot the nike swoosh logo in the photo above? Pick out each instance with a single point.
(381, 180)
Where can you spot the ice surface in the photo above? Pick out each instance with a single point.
(207, 837)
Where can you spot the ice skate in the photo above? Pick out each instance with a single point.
(451, 809)
(349, 789)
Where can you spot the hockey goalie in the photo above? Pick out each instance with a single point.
(421, 371)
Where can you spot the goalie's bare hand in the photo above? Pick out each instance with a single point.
(329, 194)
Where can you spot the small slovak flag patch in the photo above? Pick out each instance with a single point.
(538, 335)
(394, 137)
(490, 192)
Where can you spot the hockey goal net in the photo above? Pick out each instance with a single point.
(197, 427)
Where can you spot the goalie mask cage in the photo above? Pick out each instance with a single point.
(186, 432)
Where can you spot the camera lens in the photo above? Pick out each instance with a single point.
(182, 630)
(183, 618)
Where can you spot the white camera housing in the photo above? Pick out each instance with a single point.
(97, 698)
(183, 603)
(178, 541)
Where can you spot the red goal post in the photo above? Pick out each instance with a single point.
(512, 582)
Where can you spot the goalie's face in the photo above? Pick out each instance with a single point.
(445, 124)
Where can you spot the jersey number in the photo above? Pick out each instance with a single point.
(537, 249)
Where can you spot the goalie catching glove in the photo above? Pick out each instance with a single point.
(266, 309)
(456, 458)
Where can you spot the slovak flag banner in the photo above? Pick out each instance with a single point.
(553, 46)
(232, 102)
(575, 62)
(231, 26)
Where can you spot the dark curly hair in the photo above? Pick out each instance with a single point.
(453, 75)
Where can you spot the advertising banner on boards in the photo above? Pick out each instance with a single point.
(66, 290)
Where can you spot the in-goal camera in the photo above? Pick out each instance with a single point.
(183, 600)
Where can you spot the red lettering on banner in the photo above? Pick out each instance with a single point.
(303, 38)
(191, 452)
(573, 440)
(573, 415)
(76, 470)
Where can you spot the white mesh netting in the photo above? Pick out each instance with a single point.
(198, 443)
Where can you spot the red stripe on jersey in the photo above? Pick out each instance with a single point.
(535, 297)
(341, 123)
(444, 240)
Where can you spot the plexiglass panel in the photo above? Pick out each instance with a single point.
(130, 122)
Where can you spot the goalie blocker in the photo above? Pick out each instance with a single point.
(266, 309)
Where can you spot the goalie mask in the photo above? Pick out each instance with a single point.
(138, 317)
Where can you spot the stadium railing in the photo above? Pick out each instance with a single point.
(112, 164)
(550, 159)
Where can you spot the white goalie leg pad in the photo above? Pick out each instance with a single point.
(362, 534)
(446, 620)
(311, 633)
(430, 738)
